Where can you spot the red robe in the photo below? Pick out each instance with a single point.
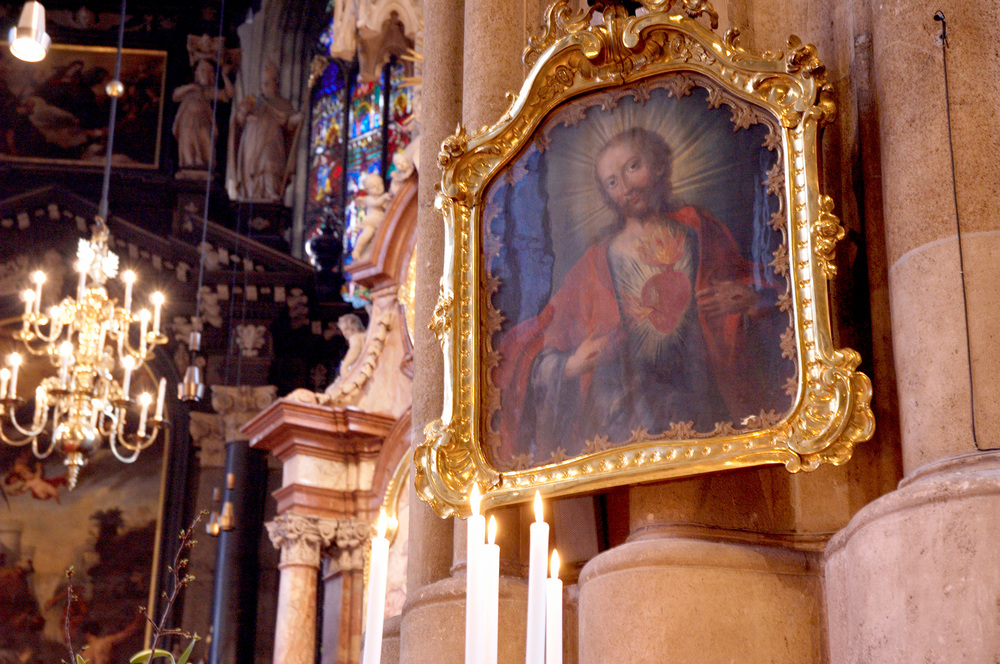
(586, 306)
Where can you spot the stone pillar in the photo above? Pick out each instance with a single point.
(427, 627)
(913, 576)
(301, 539)
(210, 432)
(705, 565)
(328, 456)
(346, 559)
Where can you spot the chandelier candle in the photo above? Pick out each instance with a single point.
(476, 526)
(377, 572)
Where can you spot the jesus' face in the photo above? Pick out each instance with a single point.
(630, 179)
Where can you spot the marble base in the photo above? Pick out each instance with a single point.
(914, 576)
(672, 599)
(433, 623)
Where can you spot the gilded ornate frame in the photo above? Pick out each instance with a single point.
(786, 90)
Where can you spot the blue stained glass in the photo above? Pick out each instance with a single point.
(326, 147)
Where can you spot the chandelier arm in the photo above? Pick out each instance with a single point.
(15, 443)
(134, 449)
(37, 352)
(47, 453)
(40, 425)
(54, 331)
(139, 444)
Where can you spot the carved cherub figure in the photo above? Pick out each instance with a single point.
(374, 203)
(404, 169)
(354, 331)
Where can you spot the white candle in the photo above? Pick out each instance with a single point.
(4, 379)
(39, 279)
(145, 398)
(15, 363)
(489, 613)
(129, 278)
(157, 299)
(103, 339)
(476, 536)
(83, 280)
(160, 396)
(128, 362)
(29, 302)
(553, 614)
(65, 353)
(377, 572)
(538, 554)
(143, 328)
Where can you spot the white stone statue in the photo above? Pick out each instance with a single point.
(404, 170)
(262, 139)
(373, 204)
(354, 331)
(193, 122)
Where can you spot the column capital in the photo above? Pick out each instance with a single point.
(347, 550)
(208, 433)
(238, 404)
(301, 538)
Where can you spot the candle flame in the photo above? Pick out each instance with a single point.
(539, 512)
(5, 373)
(144, 314)
(38, 277)
(474, 500)
(14, 360)
(491, 536)
(145, 398)
(128, 276)
(28, 295)
(380, 525)
(157, 297)
(555, 564)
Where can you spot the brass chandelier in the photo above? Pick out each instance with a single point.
(95, 347)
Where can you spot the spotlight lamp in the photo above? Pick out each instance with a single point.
(28, 39)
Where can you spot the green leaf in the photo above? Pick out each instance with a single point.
(187, 652)
(149, 655)
(80, 660)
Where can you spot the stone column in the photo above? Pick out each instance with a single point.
(301, 540)
(328, 456)
(346, 559)
(705, 577)
(913, 576)
(427, 630)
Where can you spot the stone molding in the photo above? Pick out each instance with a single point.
(300, 538)
(208, 435)
(304, 539)
(237, 405)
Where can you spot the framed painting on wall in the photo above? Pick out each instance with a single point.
(635, 276)
(56, 111)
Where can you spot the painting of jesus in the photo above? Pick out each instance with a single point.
(630, 312)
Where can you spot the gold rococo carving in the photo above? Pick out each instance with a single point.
(573, 58)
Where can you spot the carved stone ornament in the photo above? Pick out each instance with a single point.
(347, 550)
(300, 538)
(555, 380)
(240, 404)
(348, 387)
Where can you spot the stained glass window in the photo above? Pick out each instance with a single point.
(401, 100)
(327, 146)
(357, 127)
